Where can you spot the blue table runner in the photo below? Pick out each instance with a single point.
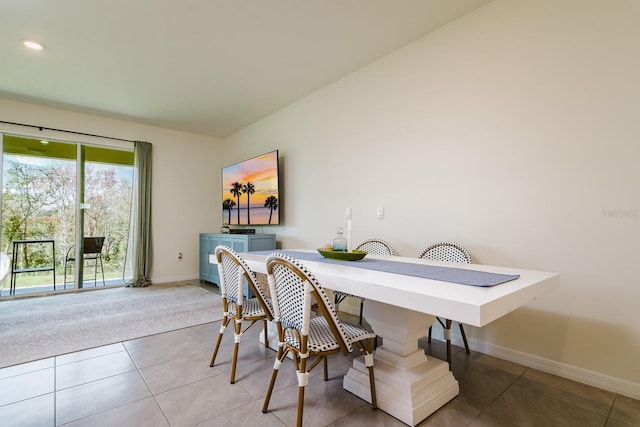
(446, 274)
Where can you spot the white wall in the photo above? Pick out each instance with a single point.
(186, 178)
(513, 131)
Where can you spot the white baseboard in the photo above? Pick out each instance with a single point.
(584, 376)
(169, 279)
(581, 375)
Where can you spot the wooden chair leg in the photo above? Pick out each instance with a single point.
(325, 366)
(267, 398)
(372, 384)
(372, 380)
(300, 405)
(447, 335)
(236, 345)
(282, 355)
(464, 338)
(225, 323)
(302, 384)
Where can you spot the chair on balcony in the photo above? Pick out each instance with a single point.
(303, 335)
(92, 252)
(234, 273)
(373, 247)
(450, 252)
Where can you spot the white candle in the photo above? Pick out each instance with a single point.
(349, 247)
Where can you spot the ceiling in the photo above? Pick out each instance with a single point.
(209, 67)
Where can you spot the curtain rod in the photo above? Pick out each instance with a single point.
(41, 128)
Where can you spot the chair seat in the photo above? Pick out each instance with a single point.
(355, 333)
(251, 308)
(86, 257)
(322, 340)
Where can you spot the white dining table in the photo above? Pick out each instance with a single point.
(400, 308)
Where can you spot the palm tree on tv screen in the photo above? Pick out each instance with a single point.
(249, 189)
(228, 205)
(272, 204)
(236, 190)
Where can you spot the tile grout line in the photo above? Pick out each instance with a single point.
(484, 411)
(153, 395)
(606, 420)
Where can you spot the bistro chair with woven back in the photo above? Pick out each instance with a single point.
(234, 274)
(449, 252)
(309, 338)
(372, 247)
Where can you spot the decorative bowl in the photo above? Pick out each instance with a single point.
(345, 256)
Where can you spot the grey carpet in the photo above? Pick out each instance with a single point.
(36, 328)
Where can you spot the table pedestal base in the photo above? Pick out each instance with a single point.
(409, 386)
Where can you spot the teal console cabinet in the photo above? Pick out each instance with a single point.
(237, 242)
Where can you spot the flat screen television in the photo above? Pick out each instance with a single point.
(250, 191)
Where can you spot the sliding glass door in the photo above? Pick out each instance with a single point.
(65, 214)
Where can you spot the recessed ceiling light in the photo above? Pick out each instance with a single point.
(33, 44)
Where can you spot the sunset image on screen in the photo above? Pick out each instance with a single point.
(250, 191)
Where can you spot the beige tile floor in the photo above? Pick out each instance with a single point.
(165, 380)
